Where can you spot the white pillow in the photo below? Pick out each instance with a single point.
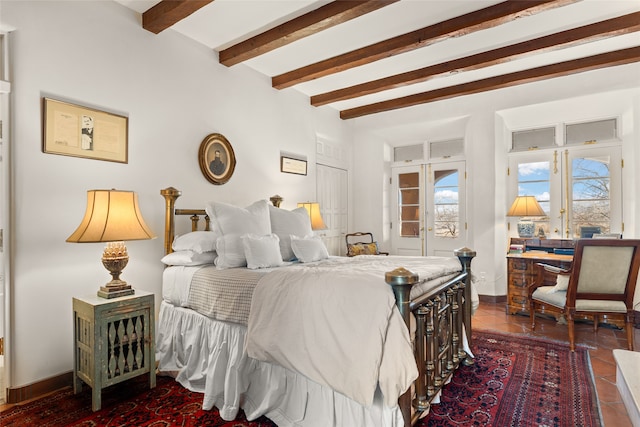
(562, 283)
(308, 249)
(230, 252)
(197, 241)
(262, 251)
(229, 219)
(189, 258)
(285, 223)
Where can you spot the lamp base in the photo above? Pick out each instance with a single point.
(115, 289)
(526, 228)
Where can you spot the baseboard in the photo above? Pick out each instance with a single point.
(37, 389)
(494, 299)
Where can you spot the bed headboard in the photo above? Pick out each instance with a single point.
(170, 195)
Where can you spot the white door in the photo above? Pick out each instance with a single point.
(332, 190)
(407, 216)
(445, 213)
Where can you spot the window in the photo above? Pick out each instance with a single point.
(579, 188)
(445, 204)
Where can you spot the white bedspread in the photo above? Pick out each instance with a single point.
(310, 319)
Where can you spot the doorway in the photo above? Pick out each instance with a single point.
(429, 209)
(332, 190)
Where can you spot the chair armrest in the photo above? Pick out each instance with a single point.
(545, 270)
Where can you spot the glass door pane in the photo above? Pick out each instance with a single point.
(409, 204)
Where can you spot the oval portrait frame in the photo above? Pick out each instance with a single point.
(216, 158)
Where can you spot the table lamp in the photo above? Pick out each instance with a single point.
(112, 216)
(313, 209)
(526, 206)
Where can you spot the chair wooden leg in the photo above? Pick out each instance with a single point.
(595, 323)
(572, 336)
(629, 327)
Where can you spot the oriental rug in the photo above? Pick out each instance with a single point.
(515, 381)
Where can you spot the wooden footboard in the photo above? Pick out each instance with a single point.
(442, 316)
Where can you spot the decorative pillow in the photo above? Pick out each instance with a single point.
(285, 223)
(262, 251)
(231, 222)
(308, 249)
(562, 283)
(189, 258)
(196, 241)
(229, 219)
(230, 252)
(362, 249)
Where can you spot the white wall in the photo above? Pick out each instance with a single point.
(596, 94)
(175, 93)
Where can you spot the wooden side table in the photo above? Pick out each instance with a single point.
(114, 340)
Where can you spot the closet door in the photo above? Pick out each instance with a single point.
(332, 186)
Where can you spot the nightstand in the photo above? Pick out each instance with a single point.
(114, 340)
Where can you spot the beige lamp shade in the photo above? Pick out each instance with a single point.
(525, 206)
(111, 216)
(313, 208)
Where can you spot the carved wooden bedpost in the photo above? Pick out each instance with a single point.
(170, 195)
(466, 255)
(401, 281)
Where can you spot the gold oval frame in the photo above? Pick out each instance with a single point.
(217, 171)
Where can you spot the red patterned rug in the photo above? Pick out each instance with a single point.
(515, 381)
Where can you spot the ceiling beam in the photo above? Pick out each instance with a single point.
(588, 33)
(488, 17)
(168, 12)
(324, 17)
(609, 59)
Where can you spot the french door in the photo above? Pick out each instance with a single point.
(446, 208)
(428, 209)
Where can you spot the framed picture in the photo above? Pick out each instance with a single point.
(217, 159)
(291, 165)
(73, 130)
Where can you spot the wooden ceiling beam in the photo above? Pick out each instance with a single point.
(588, 33)
(488, 17)
(168, 12)
(609, 59)
(324, 17)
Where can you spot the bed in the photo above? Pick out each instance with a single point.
(305, 338)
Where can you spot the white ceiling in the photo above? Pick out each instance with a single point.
(224, 23)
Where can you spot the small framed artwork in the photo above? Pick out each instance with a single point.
(291, 165)
(73, 130)
(217, 159)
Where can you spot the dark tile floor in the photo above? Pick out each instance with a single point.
(492, 316)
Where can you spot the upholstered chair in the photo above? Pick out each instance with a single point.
(601, 281)
(367, 247)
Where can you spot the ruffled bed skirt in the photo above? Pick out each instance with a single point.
(207, 356)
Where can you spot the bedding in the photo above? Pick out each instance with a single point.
(308, 305)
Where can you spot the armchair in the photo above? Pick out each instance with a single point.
(601, 281)
(370, 247)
